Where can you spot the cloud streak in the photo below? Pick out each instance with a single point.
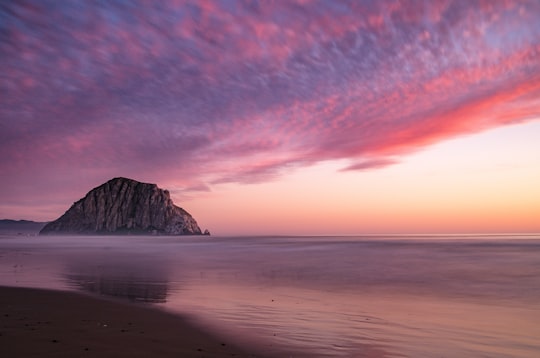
(195, 94)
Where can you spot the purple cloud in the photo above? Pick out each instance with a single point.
(200, 93)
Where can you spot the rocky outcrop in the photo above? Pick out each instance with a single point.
(124, 206)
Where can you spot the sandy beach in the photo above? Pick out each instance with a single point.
(66, 324)
(270, 296)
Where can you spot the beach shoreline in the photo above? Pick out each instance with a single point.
(277, 297)
(48, 323)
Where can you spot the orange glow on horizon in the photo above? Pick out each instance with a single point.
(467, 185)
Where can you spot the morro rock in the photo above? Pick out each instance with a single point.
(124, 206)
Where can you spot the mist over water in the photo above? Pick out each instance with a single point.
(312, 296)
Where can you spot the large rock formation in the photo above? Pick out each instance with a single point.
(124, 206)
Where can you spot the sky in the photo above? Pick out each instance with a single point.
(278, 117)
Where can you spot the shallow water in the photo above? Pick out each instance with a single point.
(313, 296)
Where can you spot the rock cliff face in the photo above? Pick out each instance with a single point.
(124, 206)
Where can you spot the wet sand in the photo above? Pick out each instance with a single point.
(45, 323)
(281, 296)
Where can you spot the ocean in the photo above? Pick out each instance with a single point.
(383, 296)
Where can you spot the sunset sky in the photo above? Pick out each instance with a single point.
(278, 117)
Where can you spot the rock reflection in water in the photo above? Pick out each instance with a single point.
(120, 278)
(133, 288)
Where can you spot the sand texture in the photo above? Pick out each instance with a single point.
(40, 323)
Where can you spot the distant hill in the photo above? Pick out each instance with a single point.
(23, 227)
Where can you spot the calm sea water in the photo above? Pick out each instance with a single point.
(458, 296)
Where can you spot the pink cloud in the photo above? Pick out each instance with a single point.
(371, 164)
(196, 94)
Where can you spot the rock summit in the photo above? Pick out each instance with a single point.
(124, 206)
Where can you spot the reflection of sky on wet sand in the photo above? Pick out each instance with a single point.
(331, 323)
(312, 296)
